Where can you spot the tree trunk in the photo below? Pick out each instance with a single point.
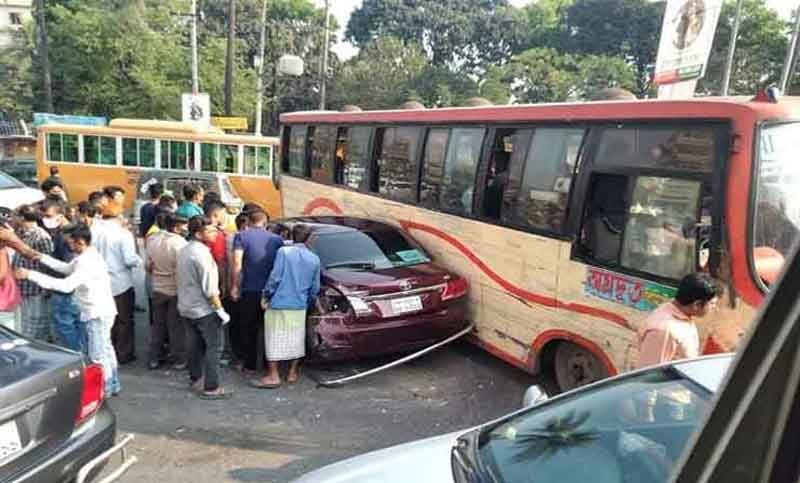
(43, 55)
(229, 58)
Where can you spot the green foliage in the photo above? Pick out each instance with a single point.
(16, 74)
(760, 49)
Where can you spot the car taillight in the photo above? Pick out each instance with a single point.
(455, 289)
(332, 301)
(92, 392)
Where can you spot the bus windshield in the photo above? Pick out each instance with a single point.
(776, 223)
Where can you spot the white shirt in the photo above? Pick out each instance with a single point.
(87, 275)
(118, 248)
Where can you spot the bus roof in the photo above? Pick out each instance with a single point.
(710, 107)
(146, 128)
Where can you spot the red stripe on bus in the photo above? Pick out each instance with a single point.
(317, 203)
(558, 334)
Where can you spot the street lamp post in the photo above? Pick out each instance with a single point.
(195, 80)
(260, 66)
(323, 70)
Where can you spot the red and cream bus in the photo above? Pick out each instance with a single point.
(571, 221)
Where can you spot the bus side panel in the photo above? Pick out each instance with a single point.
(513, 275)
(81, 179)
(259, 190)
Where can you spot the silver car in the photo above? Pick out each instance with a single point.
(631, 428)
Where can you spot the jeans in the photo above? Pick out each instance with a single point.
(205, 340)
(102, 352)
(249, 331)
(70, 331)
(122, 334)
(33, 319)
(167, 322)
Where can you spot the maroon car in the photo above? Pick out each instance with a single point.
(380, 292)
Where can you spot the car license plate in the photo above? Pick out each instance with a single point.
(406, 304)
(10, 443)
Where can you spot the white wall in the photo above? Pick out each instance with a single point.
(21, 8)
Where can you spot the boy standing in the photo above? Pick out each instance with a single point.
(33, 317)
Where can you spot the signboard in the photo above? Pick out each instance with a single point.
(235, 123)
(196, 108)
(629, 291)
(42, 118)
(686, 37)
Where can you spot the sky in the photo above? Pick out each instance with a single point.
(341, 10)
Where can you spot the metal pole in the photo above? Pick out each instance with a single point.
(260, 76)
(195, 81)
(44, 57)
(790, 52)
(323, 71)
(229, 57)
(726, 79)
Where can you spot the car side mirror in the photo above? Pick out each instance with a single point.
(534, 395)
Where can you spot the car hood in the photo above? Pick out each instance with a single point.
(13, 198)
(427, 459)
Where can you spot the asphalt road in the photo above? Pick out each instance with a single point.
(277, 435)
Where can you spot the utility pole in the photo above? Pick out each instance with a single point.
(229, 58)
(195, 81)
(726, 79)
(323, 70)
(44, 57)
(260, 70)
(787, 64)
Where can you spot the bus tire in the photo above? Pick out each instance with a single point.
(576, 366)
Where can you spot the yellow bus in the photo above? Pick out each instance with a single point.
(570, 221)
(131, 152)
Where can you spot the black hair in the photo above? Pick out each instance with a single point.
(300, 233)
(212, 206)
(257, 217)
(53, 170)
(79, 231)
(28, 213)
(51, 183)
(85, 208)
(48, 203)
(166, 201)
(155, 190)
(250, 207)
(240, 221)
(95, 196)
(211, 196)
(171, 220)
(111, 191)
(197, 224)
(161, 217)
(279, 228)
(697, 287)
(190, 191)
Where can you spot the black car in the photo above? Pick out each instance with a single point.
(54, 424)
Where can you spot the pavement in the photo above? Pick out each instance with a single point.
(278, 435)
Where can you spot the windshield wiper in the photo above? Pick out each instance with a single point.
(359, 265)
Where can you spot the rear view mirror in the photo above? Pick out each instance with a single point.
(533, 395)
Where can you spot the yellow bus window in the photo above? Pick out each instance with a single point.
(130, 152)
(108, 151)
(91, 148)
(229, 158)
(147, 153)
(179, 155)
(209, 157)
(250, 161)
(264, 162)
(54, 147)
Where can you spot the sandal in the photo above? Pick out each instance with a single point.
(216, 395)
(260, 385)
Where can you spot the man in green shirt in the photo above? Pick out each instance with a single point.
(192, 202)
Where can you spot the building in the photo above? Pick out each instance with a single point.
(13, 14)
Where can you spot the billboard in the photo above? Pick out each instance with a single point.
(196, 108)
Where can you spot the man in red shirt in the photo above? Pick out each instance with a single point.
(215, 211)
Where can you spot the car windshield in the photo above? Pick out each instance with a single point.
(7, 182)
(776, 217)
(632, 430)
(370, 249)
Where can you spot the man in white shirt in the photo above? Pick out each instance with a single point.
(87, 277)
(118, 248)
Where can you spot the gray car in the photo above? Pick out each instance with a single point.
(54, 422)
(631, 428)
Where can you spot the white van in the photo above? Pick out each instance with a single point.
(13, 193)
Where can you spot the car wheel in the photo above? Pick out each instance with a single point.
(576, 366)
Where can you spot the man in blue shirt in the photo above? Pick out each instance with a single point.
(192, 203)
(254, 251)
(147, 213)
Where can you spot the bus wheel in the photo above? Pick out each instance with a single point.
(576, 366)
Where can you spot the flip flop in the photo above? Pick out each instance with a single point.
(259, 385)
(216, 396)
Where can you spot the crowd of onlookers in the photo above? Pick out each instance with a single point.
(67, 276)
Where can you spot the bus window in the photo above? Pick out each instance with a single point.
(178, 155)
(606, 212)
(130, 152)
(460, 167)
(297, 150)
(685, 148)
(54, 147)
(395, 167)
(322, 154)
(257, 160)
(355, 157)
(229, 158)
(62, 147)
(209, 157)
(91, 149)
(147, 153)
(433, 167)
(541, 201)
(509, 145)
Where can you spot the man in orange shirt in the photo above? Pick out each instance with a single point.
(669, 333)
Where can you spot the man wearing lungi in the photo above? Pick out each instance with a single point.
(291, 289)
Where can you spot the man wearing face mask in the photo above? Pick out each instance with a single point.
(118, 248)
(52, 216)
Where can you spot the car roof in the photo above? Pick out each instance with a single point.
(335, 224)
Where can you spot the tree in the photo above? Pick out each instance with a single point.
(626, 29)
(760, 49)
(16, 74)
(468, 35)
